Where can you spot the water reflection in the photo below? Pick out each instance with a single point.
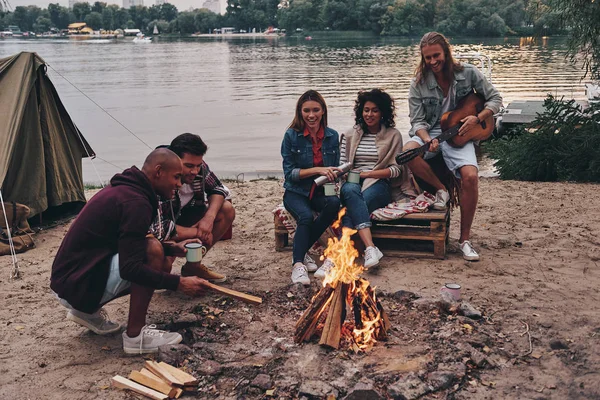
(240, 95)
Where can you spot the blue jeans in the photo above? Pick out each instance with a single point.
(360, 205)
(309, 229)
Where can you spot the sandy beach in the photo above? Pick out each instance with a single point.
(536, 285)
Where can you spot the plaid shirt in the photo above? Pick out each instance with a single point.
(205, 184)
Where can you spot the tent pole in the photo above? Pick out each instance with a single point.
(15, 273)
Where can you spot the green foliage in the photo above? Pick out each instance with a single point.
(81, 10)
(94, 20)
(564, 147)
(583, 18)
(386, 17)
(161, 24)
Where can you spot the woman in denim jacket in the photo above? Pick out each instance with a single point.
(309, 149)
(439, 84)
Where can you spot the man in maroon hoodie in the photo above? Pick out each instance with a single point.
(106, 254)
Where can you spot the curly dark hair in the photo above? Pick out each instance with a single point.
(382, 100)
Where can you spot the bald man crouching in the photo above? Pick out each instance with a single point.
(106, 255)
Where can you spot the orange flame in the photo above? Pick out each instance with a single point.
(343, 255)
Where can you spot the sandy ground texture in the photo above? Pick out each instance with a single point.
(536, 285)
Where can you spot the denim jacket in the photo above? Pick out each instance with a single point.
(297, 154)
(425, 96)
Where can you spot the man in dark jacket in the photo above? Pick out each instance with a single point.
(106, 254)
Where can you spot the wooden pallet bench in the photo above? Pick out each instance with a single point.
(432, 226)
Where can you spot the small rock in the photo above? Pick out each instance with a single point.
(557, 344)
(184, 321)
(364, 390)
(409, 387)
(478, 358)
(317, 389)
(404, 295)
(209, 367)
(468, 310)
(262, 381)
(174, 354)
(425, 304)
(441, 380)
(457, 369)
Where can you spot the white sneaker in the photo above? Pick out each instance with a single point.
(372, 256)
(149, 340)
(97, 322)
(441, 199)
(311, 266)
(325, 268)
(468, 251)
(300, 274)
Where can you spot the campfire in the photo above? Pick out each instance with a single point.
(343, 290)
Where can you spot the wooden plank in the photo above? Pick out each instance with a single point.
(178, 393)
(409, 254)
(183, 376)
(124, 383)
(247, 298)
(149, 374)
(166, 375)
(429, 215)
(332, 329)
(409, 235)
(153, 383)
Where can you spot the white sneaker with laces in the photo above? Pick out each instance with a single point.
(441, 199)
(149, 340)
(468, 251)
(300, 274)
(311, 265)
(97, 322)
(325, 268)
(372, 256)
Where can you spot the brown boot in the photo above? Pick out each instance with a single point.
(202, 271)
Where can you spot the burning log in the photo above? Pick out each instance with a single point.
(305, 327)
(343, 287)
(332, 330)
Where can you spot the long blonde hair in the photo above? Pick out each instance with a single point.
(450, 65)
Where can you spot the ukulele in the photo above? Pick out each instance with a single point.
(471, 104)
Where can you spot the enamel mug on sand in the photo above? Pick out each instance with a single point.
(354, 176)
(195, 251)
(453, 289)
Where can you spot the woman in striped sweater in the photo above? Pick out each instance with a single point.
(371, 146)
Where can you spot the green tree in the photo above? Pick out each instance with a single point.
(168, 12)
(121, 18)
(185, 22)
(406, 17)
(302, 14)
(42, 24)
(108, 18)
(583, 17)
(81, 10)
(205, 20)
(161, 25)
(98, 6)
(339, 15)
(94, 20)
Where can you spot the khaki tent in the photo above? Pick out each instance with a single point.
(40, 146)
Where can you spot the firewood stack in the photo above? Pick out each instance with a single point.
(158, 381)
(328, 308)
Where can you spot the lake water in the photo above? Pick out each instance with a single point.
(239, 95)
